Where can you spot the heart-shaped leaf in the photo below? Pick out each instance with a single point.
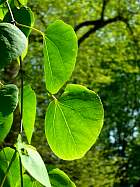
(22, 15)
(8, 99)
(60, 51)
(12, 43)
(33, 163)
(29, 111)
(74, 122)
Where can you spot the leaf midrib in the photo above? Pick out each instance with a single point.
(68, 128)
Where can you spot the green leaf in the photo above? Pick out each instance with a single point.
(59, 178)
(2, 174)
(33, 163)
(74, 122)
(23, 2)
(5, 125)
(8, 103)
(2, 12)
(2, 1)
(12, 43)
(22, 15)
(29, 182)
(8, 99)
(29, 111)
(4, 9)
(60, 51)
(14, 173)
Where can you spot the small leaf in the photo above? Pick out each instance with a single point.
(1, 13)
(8, 99)
(12, 43)
(33, 163)
(14, 173)
(5, 125)
(2, 174)
(60, 51)
(22, 15)
(4, 9)
(74, 122)
(29, 111)
(59, 178)
(23, 2)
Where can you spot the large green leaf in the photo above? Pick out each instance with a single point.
(29, 111)
(12, 43)
(8, 99)
(74, 122)
(14, 173)
(60, 51)
(33, 163)
(22, 15)
(59, 178)
(5, 125)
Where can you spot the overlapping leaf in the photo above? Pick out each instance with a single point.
(73, 122)
(60, 51)
(33, 163)
(8, 99)
(8, 103)
(5, 125)
(29, 182)
(22, 15)
(59, 178)
(29, 111)
(23, 2)
(12, 43)
(14, 173)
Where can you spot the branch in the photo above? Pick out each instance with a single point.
(97, 24)
(87, 23)
(103, 8)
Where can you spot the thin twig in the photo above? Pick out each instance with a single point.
(21, 101)
(26, 26)
(21, 176)
(10, 11)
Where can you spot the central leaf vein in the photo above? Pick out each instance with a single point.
(69, 130)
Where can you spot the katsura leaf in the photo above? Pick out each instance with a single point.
(59, 178)
(29, 111)
(13, 175)
(74, 122)
(33, 163)
(12, 43)
(8, 99)
(5, 125)
(24, 16)
(60, 51)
